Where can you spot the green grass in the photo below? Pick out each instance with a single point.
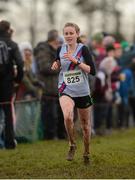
(111, 157)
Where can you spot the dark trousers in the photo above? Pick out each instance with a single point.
(52, 118)
(109, 123)
(102, 117)
(6, 104)
(132, 105)
(123, 115)
(100, 114)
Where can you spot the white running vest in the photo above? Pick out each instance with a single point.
(72, 80)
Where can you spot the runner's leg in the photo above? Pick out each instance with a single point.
(67, 106)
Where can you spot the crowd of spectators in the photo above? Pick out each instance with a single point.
(113, 87)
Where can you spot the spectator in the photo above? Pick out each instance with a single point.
(30, 86)
(126, 78)
(1, 129)
(10, 57)
(100, 105)
(97, 48)
(132, 92)
(108, 65)
(51, 115)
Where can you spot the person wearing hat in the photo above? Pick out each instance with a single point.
(10, 57)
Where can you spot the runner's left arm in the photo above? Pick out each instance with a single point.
(88, 60)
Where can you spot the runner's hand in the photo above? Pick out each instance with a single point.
(55, 65)
(70, 58)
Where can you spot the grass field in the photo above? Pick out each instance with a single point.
(111, 157)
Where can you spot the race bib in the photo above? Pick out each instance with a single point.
(73, 77)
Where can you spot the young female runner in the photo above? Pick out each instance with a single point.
(75, 63)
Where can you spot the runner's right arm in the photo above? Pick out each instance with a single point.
(56, 64)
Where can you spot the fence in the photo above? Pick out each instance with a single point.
(27, 124)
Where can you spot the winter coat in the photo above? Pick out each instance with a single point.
(45, 55)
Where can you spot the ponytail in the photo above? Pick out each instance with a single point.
(79, 39)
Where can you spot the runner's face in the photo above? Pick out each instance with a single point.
(70, 35)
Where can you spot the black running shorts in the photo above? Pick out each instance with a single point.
(80, 102)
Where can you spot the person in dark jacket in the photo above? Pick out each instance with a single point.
(51, 114)
(13, 74)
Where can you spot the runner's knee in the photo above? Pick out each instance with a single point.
(68, 115)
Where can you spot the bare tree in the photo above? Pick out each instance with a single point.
(106, 7)
(33, 21)
(3, 5)
(117, 15)
(133, 28)
(50, 11)
(104, 11)
(88, 8)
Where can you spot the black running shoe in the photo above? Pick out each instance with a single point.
(86, 159)
(71, 152)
